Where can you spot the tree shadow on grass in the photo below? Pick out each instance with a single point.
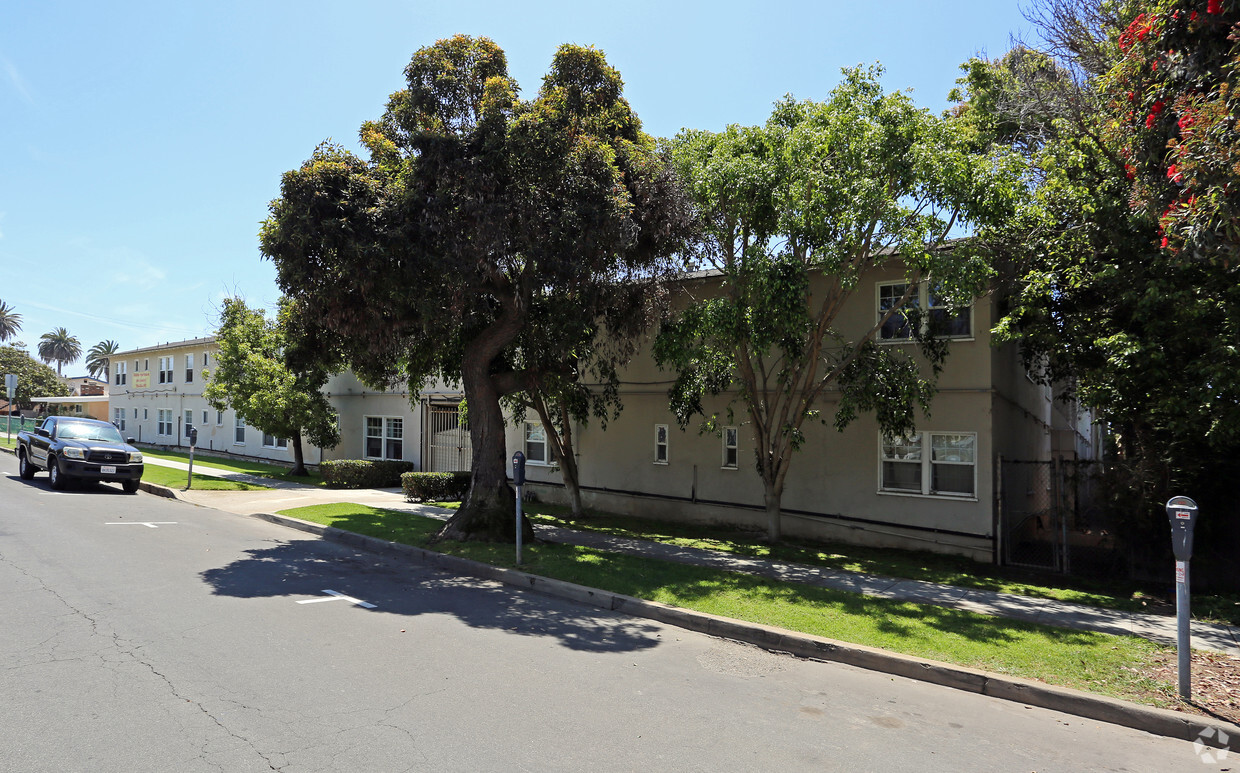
(305, 568)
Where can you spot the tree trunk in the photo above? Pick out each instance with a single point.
(299, 460)
(562, 442)
(772, 495)
(489, 511)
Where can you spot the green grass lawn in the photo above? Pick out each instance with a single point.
(913, 565)
(1100, 663)
(229, 464)
(173, 478)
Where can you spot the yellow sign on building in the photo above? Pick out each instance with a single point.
(142, 380)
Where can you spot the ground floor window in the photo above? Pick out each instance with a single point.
(118, 418)
(730, 450)
(537, 448)
(385, 437)
(660, 444)
(930, 463)
(163, 423)
(271, 441)
(239, 432)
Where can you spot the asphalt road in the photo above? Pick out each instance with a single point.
(143, 634)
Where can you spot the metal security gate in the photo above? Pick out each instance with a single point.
(447, 440)
(1050, 516)
(1030, 518)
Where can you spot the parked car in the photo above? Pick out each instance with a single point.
(72, 448)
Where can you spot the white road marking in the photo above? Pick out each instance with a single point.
(335, 596)
(148, 524)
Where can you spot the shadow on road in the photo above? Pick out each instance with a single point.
(308, 567)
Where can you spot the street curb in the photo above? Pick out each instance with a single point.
(1163, 722)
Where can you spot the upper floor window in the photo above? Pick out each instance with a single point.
(120, 373)
(940, 319)
(189, 369)
(165, 370)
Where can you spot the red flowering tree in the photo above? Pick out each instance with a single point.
(1174, 118)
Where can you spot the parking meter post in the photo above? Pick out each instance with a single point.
(1182, 513)
(193, 441)
(518, 480)
(10, 392)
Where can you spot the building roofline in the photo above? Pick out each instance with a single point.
(170, 345)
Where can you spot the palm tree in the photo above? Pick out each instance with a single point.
(99, 358)
(59, 347)
(10, 322)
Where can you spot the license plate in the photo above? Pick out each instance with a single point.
(108, 469)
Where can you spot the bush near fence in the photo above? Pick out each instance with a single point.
(362, 473)
(435, 486)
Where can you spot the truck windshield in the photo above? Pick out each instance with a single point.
(102, 432)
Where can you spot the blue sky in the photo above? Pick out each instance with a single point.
(140, 142)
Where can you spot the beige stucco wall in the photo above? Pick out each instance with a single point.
(832, 489)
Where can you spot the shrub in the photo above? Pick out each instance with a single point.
(360, 473)
(435, 486)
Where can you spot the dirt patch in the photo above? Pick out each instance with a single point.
(1215, 683)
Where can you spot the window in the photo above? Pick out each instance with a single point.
(135, 414)
(165, 370)
(164, 423)
(219, 418)
(660, 444)
(118, 418)
(206, 360)
(204, 418)
(189, 422)
(146, 413)
(120, 373)
(930, 463)
(941, 319)
(271, 441)
(189, 369)
(239, 432)
(537, 448)
(730, 437)
(385, 437)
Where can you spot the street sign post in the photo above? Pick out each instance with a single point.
(10, 392)
(518, 480)
(1182, 513)
(193, 441)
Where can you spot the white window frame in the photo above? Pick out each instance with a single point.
(239, 431)
(189, 369)
(547, 457)
(205, 415)
(120, 374)
(189, 422)
(385, 437)
(164, 426)
(165, 370)
(919, 449)
(662, 438)
(118, 418)
(920, 300)
(219, 418)
(271, 441)
(731, 448)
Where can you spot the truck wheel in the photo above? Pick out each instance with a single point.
(53, 470)
(130, 486)
(24, 468)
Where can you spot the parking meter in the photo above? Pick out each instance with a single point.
(1182, 513)
(518, 480)
(193, 441)
(193, 436)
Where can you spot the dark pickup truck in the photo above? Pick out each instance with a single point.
(70, 448)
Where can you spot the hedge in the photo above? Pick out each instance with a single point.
(360, 473)
(435, 486)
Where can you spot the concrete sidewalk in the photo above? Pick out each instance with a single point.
(1160, 628)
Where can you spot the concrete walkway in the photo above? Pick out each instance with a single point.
(283, 495)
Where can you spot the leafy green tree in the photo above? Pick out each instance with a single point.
(59, 347)
(1140, 320)
(252, 375)
(479, 226)
(10, 322)
(99, 358)
(796, 212)
(34, 379)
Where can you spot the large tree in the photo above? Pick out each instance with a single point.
(10, 322)
(254, 377)
(99, 358)
(34, 379)
(60, 347)
(1113, 295)
(474, 210)
(797, 211)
